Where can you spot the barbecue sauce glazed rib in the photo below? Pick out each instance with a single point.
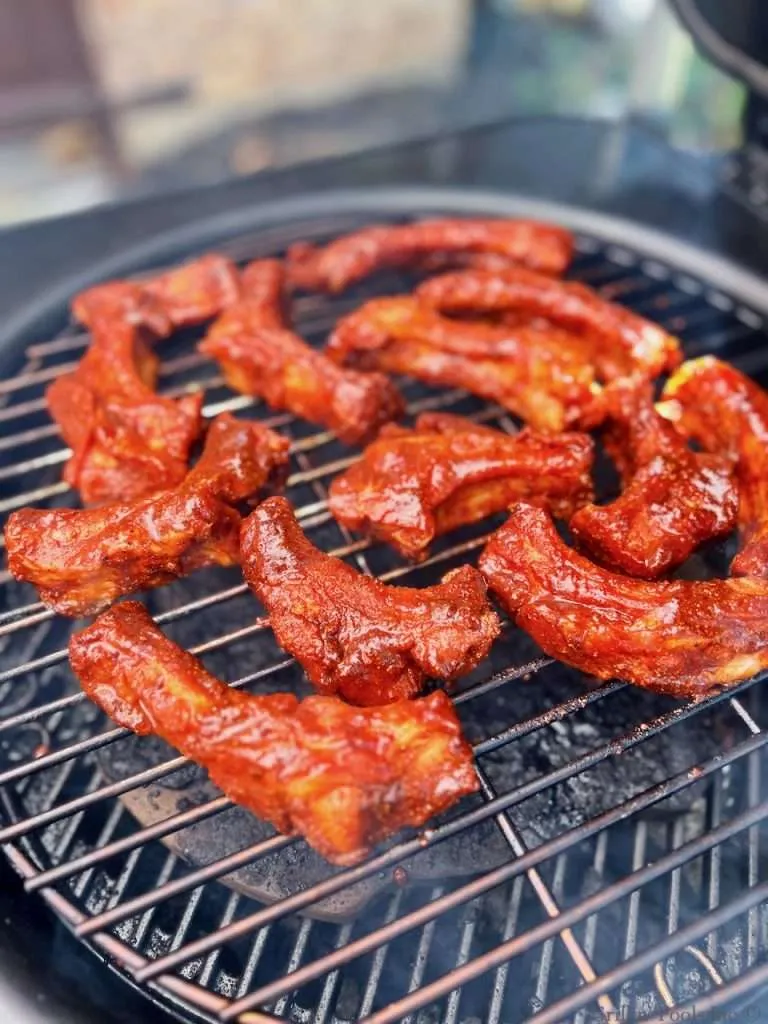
(342, 777)
(357, 637)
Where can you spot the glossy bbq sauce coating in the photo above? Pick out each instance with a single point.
(727, 413)
(619, 342)
(181, 297)
(355, 636)
(673, 498)
(538, 372)
(351, 258)
(126, 440)
(83, 559)
(412, 485)
(681, 637)
(342, 777)
(259, 355)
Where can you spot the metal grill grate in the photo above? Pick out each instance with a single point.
(610, 866)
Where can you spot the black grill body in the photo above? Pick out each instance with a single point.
(613, 863)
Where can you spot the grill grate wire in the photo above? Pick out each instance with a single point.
(216, 951)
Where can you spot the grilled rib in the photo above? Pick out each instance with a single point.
(727, 413)
(186, 295)
(258, 355)
(620, 342)
(126, 440)
(342, 777)
(540, 373)
(673, 499)
(413, 485)
(681, 637)
(83, 559)
(348, 259)
(355, 636)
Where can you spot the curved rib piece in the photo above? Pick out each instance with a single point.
(342, 777)
(126, 440)
(186, 295)
(620, 343)
(681, 637)
(81, 560)
(259, 356)
(726, 412)
(673, 500)
(413, 485)
(537, 372)
(354, 636)
(348, 259)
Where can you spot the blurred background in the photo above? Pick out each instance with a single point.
(112, 99)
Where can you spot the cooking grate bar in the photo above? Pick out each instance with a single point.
(379, 957)
(591, 924)
(184, 883)
(754, 799)
(29, 378)
(554, 714)
(257, 949)
(325, 1003)
(526, 861)
(81, 803)
(421, 957)
(21, 610)
(307, 897)
(297, 954)
(467, 934)
(209, 966)
(633, 914)
(84, 746)
(105, 851)
(559, 1011)
(666, 947)
(543, 892)
(501, 974)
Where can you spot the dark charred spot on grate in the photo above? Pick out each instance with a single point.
(611, 864)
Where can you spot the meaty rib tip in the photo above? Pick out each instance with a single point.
(186, 295)
(83, 559)
(413, 485)
(126, 440)
(681, 637)
(673, 500)
(354, 636)
(539, 373)
(260, 356)
(433, 243)
(620, 343)
(727, 413)
(342, 777)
